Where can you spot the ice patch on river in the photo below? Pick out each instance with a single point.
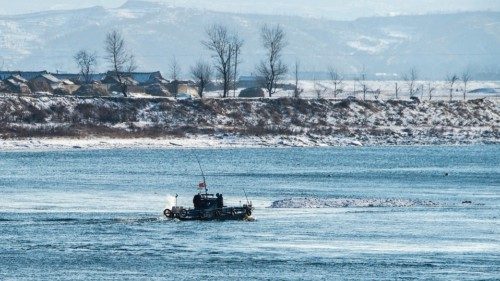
(310, 202)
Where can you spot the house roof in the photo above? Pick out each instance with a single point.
(12, 82)
(18, 78)
(28, 75)
(50, 77)
(136, 77)
(156, 80)
(249, 78)
(140, 77)
(112, 79)
(15, 83)
(183, 82)
(78, 77)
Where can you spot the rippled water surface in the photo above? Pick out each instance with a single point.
(77, 214)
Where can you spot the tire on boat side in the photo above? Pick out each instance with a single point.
(183, 213)
(168, 213)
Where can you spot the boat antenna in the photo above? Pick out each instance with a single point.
(248, 202)
(202, 174)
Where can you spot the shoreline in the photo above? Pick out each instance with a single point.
(215, 142)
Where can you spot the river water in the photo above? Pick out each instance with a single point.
(96, 214)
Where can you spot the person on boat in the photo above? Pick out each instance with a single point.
(220, 201)
(197, 202)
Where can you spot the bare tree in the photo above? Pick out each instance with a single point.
(396, 89)
(362, 82)
(319, 89)
(364, 87)
(421, 89)
(174, 73)
(336, 79)
(175, 69)
(87, 63)
(119, 58)
(430, 89)
(377, 92)
(236, 45)
(297, 91)
(202, 75)
(220, 43)
(411, 78)
(272, 69)
(354, 81)
(132, 65)
(466, 77)
(451, 79)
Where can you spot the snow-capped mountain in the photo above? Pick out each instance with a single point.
(434, 44)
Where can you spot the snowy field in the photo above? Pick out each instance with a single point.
(440, 90)
(351, 88)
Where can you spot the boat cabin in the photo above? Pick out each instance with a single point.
(205, 201)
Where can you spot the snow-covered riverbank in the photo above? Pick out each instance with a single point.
(203, 141)
(61, 122)
(197, 141)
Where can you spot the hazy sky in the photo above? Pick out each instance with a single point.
(332, 9)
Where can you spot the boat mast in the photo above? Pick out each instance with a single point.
(248, 202)
(202, 174)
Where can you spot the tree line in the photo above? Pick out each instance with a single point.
(224, 46)
(415, 88)
(451, 80)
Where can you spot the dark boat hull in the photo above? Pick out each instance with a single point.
(221, 214)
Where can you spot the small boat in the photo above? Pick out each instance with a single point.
(209, 207)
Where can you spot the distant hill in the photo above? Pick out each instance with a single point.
(434, 44)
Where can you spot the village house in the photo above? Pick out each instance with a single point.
(136, 77)
(47, 83)
(156, 80)
(25, 82)
(145, 77)
(92, 90)
(17, 84)
(112, 79)
(78, 78)
(151, 83)
(187, 88)
(47, 79)
(17, 78)
(250, 81)
(113, 84)
(155, 85)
